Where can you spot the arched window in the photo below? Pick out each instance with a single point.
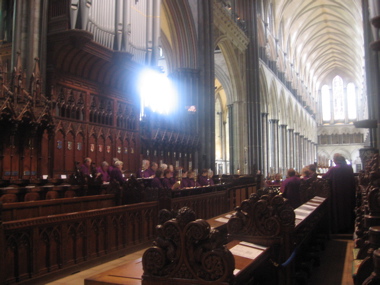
(351, 101)
(338, 98)
(326, 106)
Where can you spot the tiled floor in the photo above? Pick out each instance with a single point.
(78, 278)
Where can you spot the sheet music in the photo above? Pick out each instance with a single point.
(245, 251)
(317, 198)
(307, 207)
(236, 271)
(221, 220)
(253, 245)
(228, 216)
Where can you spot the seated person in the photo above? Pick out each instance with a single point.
(144, 171)
(156, 182)
(103, 171)
(191, 180)
(184, 180)
(113, 164)
(152, 170)
(85, 168)
(306, 173)
(166, 183)
(204, 179)
(290, 188)
(116, 174)
(210, 175)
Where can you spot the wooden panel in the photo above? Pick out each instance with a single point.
(68, 239)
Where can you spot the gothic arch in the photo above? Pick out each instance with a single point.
(232, 62)
(180, 32)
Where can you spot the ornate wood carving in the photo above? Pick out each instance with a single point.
(186, 248)
(268, 216)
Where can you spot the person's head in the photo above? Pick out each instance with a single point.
(306, 171)
(167, 173)
(119, 164)
(159, 173)
(190, 174)
(154, 166)
(87, 161)
(145, 164)
(104, 165)
(171, 168)
(312, 168)
(163, 166)
(204, 172)
(339, 159)
(210, 173)
(114, 160)
(291, 172)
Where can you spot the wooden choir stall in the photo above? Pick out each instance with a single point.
(261, 242)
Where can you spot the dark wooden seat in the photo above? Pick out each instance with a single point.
(52, 195)
(8, 198)
(32, 196)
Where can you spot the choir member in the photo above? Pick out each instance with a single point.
(113, 164)
(103, 171)
(166, 183)
(210, 175)
(116, 174)
(306, 173)
(290, 188)
(86, 166)
(152, 170)
(156, 182)
(342, 200)
(191, 179)
(204, 179)
(144, 172)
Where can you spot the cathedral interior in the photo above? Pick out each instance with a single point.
(235, 86)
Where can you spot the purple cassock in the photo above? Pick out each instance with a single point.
(342, 200)
(116, 175)
(192, 183)
(105, 175)
(290, 189)
(184, 182)
(85, 169)
(166, 183)
(156, 183)
(204, 181)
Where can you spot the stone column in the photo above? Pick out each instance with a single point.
(231, 136)
(265, 143)
(273, 140)
(282, 152)
(290, 149)
(296, 152)
(302, 152)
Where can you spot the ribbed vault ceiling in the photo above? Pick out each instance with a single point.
(324, 38)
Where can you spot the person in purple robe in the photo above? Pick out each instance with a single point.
(86, 166)
(116, 174)
(151, 171)
(290, 188)
(204, 179)
(156, 182)
(342, 198)
(103, 171)
(143, 172)
(190, 180)
(166, 183)
(113, 164)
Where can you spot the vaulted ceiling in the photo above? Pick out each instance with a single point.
(323, 38)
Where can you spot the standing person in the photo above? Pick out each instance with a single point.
(342, 199)
(290, 188)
